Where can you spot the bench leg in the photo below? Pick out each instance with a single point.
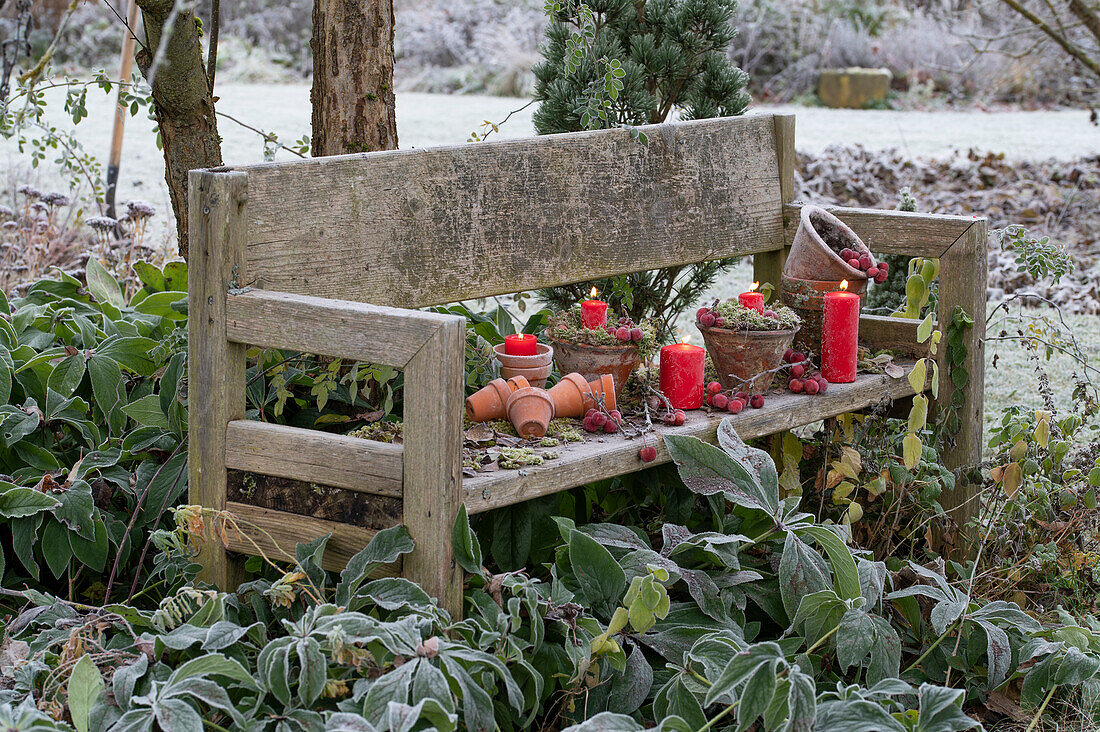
(215, 367)
(963, 274)
(434, 395)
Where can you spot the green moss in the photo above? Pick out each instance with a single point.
(379, 431)
(548, 442)
(739, 317)
(566, 326)
(513, 458)
(565, 430)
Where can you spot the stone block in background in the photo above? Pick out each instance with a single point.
(853, 88)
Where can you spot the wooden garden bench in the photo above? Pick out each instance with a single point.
(333, 255)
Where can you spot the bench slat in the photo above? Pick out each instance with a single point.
(352, 330)
(900, 232)
(276, 533)
(364, 466)
(410, 228)
(592, 460)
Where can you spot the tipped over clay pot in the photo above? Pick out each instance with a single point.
(536, 369)
(573, 396)
(592, 362)
(490, 401)
(814, 268)
(815, 252)
(530, 411)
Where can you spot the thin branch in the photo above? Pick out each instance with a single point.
(212, 52)
(268, 137)
(1067, 45)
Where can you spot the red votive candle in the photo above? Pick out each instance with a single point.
(594, 313)
(521, 344)
(752, 299)
(682, 375)
(839, 335)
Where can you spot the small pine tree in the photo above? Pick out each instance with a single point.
(612, 63)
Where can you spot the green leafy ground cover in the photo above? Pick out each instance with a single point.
(700, 596)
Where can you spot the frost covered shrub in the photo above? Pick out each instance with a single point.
(472, 46)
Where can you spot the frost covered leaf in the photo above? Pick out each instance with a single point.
(705, 469)
(801, 571)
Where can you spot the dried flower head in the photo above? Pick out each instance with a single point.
(7, 212)
(102, 223)
(39, 208)
(137, 210)
(56, 199)
(29, 191)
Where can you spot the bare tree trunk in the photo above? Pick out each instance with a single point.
(182, 100)
(353, 102)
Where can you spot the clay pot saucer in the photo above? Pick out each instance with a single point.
(592, 362)
(490, 401)
(530, 411)
(573, 396)
(741, 356)
(536, 369)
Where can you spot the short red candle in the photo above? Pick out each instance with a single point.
(752, 300)
(521, 344)
(682, 375)
(594, 314)
(839, 336)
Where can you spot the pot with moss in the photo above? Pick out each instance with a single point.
(616, 349)
(746, 346)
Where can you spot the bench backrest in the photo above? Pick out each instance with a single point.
(409, 228)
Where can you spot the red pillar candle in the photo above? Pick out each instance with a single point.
(839, 335)
(594, 313)
(682, 375)
(521, 344)
(752, 299)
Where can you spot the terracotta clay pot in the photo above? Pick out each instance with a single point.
(742, 356)
(814, 268)
(573, 396)
(490, 401)
(592, 362)
(811, 256)
(536, 369)
(530, 411)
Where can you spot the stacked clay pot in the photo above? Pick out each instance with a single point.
(530, 408)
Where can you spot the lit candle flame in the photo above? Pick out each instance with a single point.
(593, 293)
(754, 286)
(844, 285)
(686, 338)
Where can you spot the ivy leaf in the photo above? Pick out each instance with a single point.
(924, 330)
(918, 375)
(911, 450)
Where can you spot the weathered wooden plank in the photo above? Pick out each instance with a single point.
(900, 232)
(434, 392)
(341, 328)
(359, 465)
(409, 228)
(217, 214)
(963, 276)
(768, 266)
(276, 533)
(585, 462)
(899, 335)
